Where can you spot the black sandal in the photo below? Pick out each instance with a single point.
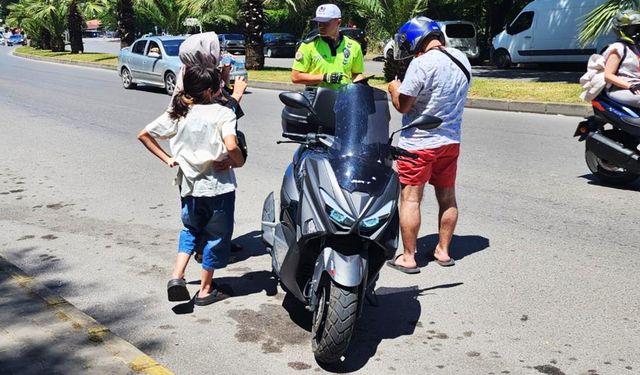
(177, 290)
(215, 296)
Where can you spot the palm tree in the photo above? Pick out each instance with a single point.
(74, 19)
(254, 21)
(126, 22)
(41, 19)
(253, 12)
(168, 14)
(598, 21)
(78, 11)
(389, 15)
(213, 11)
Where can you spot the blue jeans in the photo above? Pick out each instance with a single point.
(208, 221)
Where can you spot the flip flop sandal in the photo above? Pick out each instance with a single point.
(215, 296)
(407, 270)
(177, 290)
(445, 263)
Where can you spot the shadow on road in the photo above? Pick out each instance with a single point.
(561, 74)
(247, 284)
(252, 246)
(461, 246)
(592, 180)
(38, 335)
(397, 314)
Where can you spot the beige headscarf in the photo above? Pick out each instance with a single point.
(200, 49)
(203, 49)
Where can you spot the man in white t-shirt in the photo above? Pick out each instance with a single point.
(436, 84)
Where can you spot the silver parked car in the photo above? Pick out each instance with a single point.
(154, 61)
(458, 34)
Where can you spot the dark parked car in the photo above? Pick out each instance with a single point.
(279, 44)
(232, 43)
(16, 39)
(351, 32)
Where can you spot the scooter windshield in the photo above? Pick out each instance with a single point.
(359, 151)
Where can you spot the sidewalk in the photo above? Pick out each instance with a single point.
(580, 110)
(41, 333)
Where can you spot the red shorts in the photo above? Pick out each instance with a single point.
(437, 166)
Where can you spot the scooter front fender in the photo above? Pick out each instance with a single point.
(346, 270)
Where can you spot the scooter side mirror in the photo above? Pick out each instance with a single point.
(423, 122)
(296, 100)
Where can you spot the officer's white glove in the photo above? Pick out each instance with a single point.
(333, 78)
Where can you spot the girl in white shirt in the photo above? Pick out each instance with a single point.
(202, 139)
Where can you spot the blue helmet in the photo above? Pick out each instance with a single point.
(410, 36)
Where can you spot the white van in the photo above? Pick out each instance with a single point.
(547, 31)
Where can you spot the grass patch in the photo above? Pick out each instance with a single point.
(502, 89)
(90, 57)
(284, 75)
(526, 91)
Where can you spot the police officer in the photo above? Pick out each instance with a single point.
(328, 59)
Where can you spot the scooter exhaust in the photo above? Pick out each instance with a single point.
(613, 152)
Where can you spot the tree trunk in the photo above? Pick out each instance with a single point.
(126, 22)
(75, 28)
(253, 26)
(57, 43)
(45, 39)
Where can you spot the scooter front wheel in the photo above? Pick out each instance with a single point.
(333, 321)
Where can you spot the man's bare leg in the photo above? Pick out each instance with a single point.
(447, 220)
(410, 199)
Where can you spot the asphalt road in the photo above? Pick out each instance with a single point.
(569, 73)
(546, 277)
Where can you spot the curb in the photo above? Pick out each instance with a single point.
(65, 62)
(132, 359)
(578, 110)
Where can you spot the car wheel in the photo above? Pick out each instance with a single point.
(502, 59)
(127, 79)
(170, 82)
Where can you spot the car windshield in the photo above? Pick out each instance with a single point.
(360, 148)
(171, 47)
(15, 37)
(234, 37)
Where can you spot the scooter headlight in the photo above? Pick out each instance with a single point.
(370, 222)
(377, 218)
(336, 213)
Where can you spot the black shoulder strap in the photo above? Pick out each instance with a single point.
(457, 62)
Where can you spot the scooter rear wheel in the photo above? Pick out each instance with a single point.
(333, 321)
(604, 170)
